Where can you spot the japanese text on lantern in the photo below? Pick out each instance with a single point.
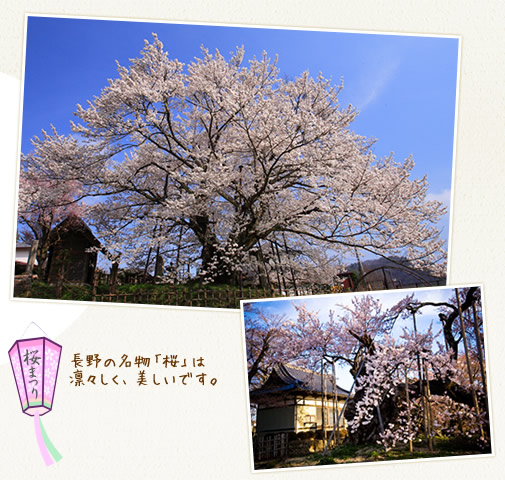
(158, 369)
(32, 361)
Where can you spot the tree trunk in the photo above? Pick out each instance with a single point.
(389, 407)
(113, 277)
(213, 264)
(43, 256)
(31, 258)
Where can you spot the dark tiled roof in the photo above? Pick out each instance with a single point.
(73, 223)
(286, 377)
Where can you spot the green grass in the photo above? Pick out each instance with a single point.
(48, 291)
(349, 453)
(345, 451)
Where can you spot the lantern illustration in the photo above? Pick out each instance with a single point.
(35, 363)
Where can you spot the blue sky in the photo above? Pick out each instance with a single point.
(403, 86)
(322, 304)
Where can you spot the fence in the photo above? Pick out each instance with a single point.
(270, 446)
(207, 297)
(186, 296)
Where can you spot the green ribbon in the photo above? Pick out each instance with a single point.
(47, 441)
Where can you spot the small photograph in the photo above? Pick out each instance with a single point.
(197, 165)
(367, 377)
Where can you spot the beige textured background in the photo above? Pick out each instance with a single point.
(193, 432)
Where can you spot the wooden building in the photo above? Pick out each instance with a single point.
(292, 399)
(23, 251)
(68, 255)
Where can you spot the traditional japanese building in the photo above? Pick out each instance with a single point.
(69, 253)
(292, 399)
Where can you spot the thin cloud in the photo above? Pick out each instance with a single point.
(377, 80)
(444, 196)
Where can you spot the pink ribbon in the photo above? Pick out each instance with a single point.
(42, 446)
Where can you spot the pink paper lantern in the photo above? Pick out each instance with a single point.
(35, 363)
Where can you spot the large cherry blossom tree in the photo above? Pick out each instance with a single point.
(309, 336)
(231, 158)
(415, 382)
(405, 384)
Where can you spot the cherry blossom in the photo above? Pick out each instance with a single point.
(399, 380)
(227, 157)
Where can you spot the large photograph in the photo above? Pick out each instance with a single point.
(198, 165)
(367, 377)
